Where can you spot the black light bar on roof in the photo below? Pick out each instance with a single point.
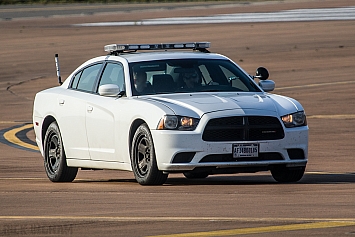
(120, 48)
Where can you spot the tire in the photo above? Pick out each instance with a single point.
(284, 174)
(55, 163)
(196, 175)
(143, 161)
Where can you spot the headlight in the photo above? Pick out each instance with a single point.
(294, 120)
(173, 122)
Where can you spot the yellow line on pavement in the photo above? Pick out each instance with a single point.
(266, 229)
(11, 137)
(314, 223)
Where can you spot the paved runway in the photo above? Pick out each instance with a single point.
(310, 61)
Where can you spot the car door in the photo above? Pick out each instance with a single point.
(72, 107)
(100, 116)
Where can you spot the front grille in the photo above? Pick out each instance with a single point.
(243, 128)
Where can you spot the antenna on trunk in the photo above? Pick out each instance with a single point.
(57, 67)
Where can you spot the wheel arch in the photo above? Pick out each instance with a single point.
(134, 126)
(46, 122)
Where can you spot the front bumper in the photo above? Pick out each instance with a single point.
(168, 144)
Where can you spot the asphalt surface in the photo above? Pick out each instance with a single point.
(310, 61)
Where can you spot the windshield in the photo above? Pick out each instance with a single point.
(188, 75)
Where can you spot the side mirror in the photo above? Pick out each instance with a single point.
(109, 90)
(261, 73)
(267, 85)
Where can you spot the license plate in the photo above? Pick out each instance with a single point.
(245, 150)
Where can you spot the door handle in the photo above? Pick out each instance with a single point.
(89, 109)
(61, 101)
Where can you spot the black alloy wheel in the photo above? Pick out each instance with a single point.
(143, 159)
(54, 157)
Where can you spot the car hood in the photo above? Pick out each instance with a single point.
(192, 104)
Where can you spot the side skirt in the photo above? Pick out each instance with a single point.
(91, 164)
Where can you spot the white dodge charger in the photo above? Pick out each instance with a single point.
(156, 109)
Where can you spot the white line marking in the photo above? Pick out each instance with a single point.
(315, 85)
(334, 116)
(13, 122)
(320, 14)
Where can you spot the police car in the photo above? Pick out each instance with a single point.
(156, 109)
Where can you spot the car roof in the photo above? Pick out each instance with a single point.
(152, 56)
(158, 55)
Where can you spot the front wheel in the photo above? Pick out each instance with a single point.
(55, 163)
(285, 174)
(144, 164)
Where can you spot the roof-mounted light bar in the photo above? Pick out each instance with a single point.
(120, 48)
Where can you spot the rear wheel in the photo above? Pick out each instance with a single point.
(54, 157)
(144, 164)
(285, 174)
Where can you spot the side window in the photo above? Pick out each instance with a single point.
(88, 78)
(113, 74)
(76, 80)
